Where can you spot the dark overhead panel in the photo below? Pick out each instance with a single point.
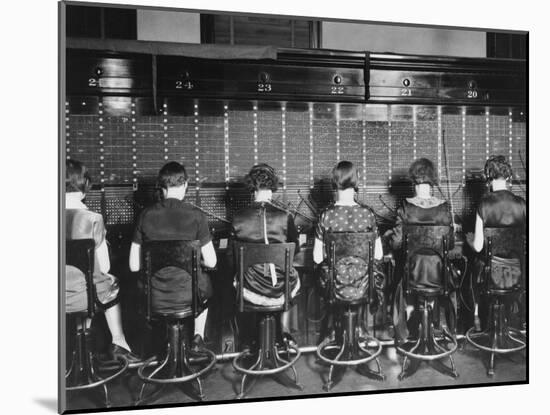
(301, 75)
(91, 72)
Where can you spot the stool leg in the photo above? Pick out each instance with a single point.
(89, 365)
(258, 362)
(496, 327)
(420, 343)
(152, 375)
(404, 368)
(280, 359)
(328, 385)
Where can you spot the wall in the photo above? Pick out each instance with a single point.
(168, 26)
(400, 39)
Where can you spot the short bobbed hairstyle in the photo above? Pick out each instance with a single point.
(422, 171)
(262, 177)
(344, 176)
(497, 167)
(172, 174)
(77, 178)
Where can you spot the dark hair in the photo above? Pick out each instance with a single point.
(172, 174)
(262, 176)
(422, 171)
(344, 175)
(497, 167)
(77, 178)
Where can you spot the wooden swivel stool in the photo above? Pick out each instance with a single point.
(84, 368)
(267, 359)
(503, 286)
(428, 346)
(350, 256)
(175, 368)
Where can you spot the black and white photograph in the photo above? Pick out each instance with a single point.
(268, 206)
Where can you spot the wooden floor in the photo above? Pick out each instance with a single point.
(222, 383)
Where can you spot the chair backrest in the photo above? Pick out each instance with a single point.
(428, 238)
(80, 254)
(279, 254)
(505, 249)
(177, 253)
(351, 252)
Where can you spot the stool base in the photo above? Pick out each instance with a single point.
(352, 350)
(426, 347)
(175, 368)
(498, 338)
(84, 369)
(269, 361)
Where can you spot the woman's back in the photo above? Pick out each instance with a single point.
(340, 218)
(249, 225)
(502, 208)
(424, 265)
(257, 223)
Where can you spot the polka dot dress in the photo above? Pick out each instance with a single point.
(346, 219)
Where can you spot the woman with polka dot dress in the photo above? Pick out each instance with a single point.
(346, 215)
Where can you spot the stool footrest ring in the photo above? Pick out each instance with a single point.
(181, 379)
(102, 381)
(431, 356)
(326, 344)
(261, 372)
(471, 336)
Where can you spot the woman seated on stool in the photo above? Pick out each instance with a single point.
(346, 215)
(423, 208)
(264, 223)
(499, 208)
(82, 223)
(173, 219)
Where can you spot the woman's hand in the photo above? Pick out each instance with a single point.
(470, 238)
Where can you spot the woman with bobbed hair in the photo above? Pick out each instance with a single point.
(345, 215)
(422, 209)
(497, 209)
(262, 222)
(500, 207)
(82, 223)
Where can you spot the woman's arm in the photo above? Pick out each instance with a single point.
(209, 255)
(478, 237)
(135, 254)
(102, 253)
(292, 234)
(378, 252)
(318, 251)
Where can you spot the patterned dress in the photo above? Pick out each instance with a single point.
(351, 282)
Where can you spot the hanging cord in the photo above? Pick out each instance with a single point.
(278, 205)
(448, 177)
(524, 170)
(210, 213)
(462, 282)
